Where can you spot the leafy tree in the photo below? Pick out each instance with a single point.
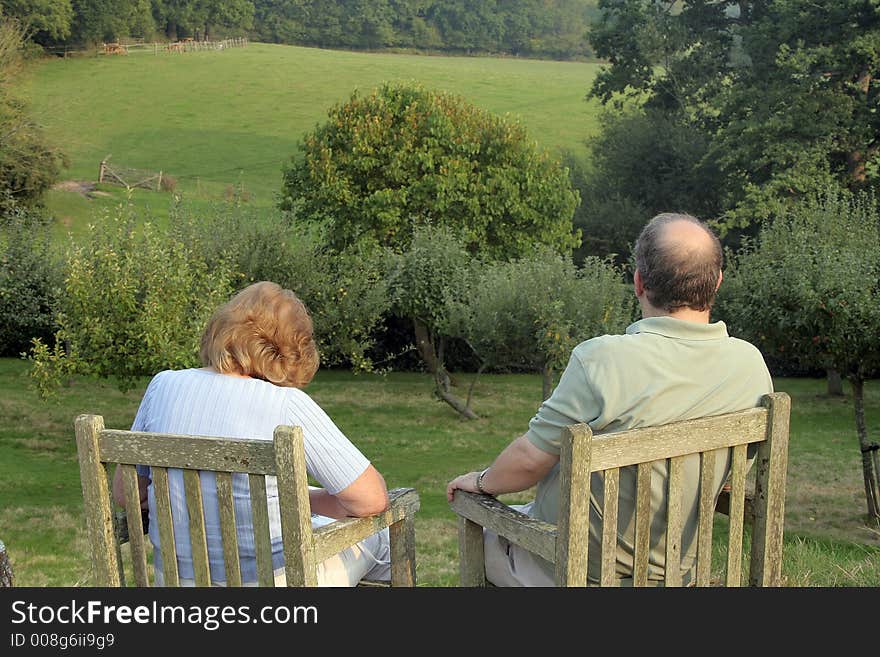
(45, 19)
(28, 282)
(28, 164)
(809, 287)
(643, 162)
(103, 20)
(134, 301)
(785, 90)
(429, 284)
(522, 27)
(233, 14)
(402, 157)
(529, 314)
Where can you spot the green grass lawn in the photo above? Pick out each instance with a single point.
(416, 441)
(214, 120)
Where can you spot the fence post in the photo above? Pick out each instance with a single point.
(101, 172)
(159, 183)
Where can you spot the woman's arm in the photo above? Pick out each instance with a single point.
(365, 496)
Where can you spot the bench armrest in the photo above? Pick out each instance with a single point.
(340, 534)
(534, 535)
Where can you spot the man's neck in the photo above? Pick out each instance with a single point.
(684, 314)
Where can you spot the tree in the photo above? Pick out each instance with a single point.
(44, 19)
(29, 165)
(530, 313)
(809, 287)
(785, 90)
(234, 14)
(28, 282)
(429, 284)
(403, 156)
(643, 162)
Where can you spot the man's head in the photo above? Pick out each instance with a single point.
(678, 262)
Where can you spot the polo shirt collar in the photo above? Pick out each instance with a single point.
(678, 328)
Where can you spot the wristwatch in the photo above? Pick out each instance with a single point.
(480, 482)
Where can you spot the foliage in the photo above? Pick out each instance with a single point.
(809, 286)
(345, 292)
(28, 282)
(402, 156)
(134, 301)
(643, 162)
(786, 89)
(529, 314)
(43, 18)
(28, 164)
(429, 284)
(534, 28)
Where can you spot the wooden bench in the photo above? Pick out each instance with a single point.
(566, 544)
(283, 457)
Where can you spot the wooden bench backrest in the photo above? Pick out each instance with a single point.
(582, 455)
(283, 458)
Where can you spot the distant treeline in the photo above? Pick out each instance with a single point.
(535, 28)
(544, 28)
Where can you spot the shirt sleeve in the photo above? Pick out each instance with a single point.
(572, 402)
(141, 419)
(331, 458)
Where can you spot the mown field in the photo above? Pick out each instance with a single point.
(416, 441)
(225, 121)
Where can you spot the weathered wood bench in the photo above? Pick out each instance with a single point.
(284, 458)
(583, 455)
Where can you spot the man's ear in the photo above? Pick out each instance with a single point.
(638, 283)
(720, 278)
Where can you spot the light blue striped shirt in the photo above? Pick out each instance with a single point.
(203, 402)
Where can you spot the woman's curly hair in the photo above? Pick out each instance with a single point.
(264, 332)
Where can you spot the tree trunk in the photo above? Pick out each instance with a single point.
(546, 382)
(442, 383)
(835, 383)
(426, 349)
(6, 578)
(871, 493)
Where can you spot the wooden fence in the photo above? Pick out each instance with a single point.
(128, 177)
(153, 48)
(186, 45)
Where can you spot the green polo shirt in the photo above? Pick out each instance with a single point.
(662, 370)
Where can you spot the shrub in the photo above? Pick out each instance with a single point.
(134, 301)
(642, 163)
(345, 292)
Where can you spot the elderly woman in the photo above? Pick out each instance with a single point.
(258, 353)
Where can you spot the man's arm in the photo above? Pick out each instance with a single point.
(519, 467)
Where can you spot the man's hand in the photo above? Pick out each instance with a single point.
(466, 482)
(520, 466)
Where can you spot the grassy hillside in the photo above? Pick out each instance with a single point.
(218, 120)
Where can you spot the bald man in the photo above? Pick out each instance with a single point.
(673, 364)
